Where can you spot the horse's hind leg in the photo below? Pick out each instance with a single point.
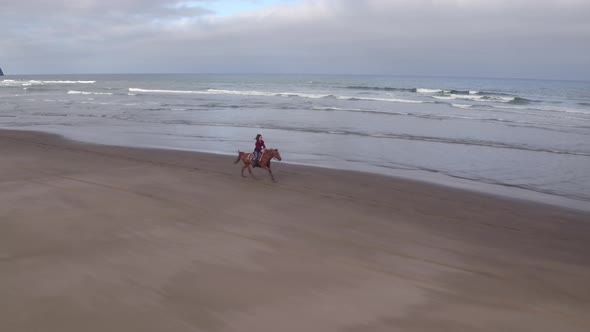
(250, 170)
(247, 165)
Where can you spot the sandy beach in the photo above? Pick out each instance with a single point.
(100, 238)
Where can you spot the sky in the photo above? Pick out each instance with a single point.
(474, 38)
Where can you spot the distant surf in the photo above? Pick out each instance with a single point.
(270, 94)
(75, 92)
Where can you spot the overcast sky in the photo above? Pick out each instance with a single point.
(486, 38)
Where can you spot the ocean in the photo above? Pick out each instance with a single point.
(524, 138)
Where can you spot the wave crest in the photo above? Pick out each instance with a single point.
(9, 83)
(273, 94)
(377, 88)
(76, 92)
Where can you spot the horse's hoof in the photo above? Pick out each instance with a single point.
(244, 176)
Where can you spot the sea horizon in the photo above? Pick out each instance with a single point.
(313, 74)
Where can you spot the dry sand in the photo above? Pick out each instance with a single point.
(97, 238)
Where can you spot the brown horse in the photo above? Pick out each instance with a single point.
(248, 160)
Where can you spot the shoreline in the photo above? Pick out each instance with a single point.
(99, 238)
(505, 191)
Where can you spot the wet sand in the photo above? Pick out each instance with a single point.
(99, 238)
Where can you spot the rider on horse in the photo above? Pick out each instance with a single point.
(260, 160)
(258, 148)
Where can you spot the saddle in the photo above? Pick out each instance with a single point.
(256, 163)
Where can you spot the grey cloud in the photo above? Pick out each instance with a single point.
(436, 37)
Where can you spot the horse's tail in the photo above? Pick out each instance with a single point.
(239, 157)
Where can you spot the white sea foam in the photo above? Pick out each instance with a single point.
(429, 90)
(161, 91)
(454, 97)
(67, 82)
(319, 108)
(39, 82)
(9, 83)
(503, 99)
(75, 92)
(204, 92)
(302, 95)
(461, 105)
(238, 92)
(270, 94)
(395, 100)
(263, 93)
(476, 97)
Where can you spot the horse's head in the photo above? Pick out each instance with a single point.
(276, 154)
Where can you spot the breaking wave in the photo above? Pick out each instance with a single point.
(428, 90)
(396, 100)
(452, 94)
(485, 98)
(233, 92)
(76, 92)
(463, 106)
(376, 88)
(272, 94)
(20, 83)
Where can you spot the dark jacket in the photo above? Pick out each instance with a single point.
(259, 146)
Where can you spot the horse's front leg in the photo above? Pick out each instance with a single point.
(272, 177)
